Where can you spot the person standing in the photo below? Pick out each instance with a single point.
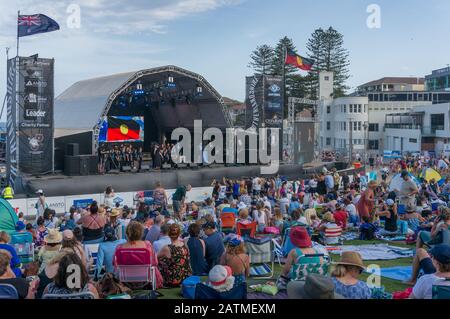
(179, 197)
(8, 192)
(41, 204)
(366, 203)
(408, 190)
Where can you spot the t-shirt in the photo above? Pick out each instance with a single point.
(214, 248)
(340, 217)
(283, 203)
(293, 206)
(329, 181)
(424, 286)
(180, 193)
(351, 209)
(20, 284)
(408, 187)
(360, 290)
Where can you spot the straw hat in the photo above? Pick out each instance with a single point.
(351, 258)
(53, 237)
(114, 212)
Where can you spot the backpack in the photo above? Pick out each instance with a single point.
(367, 232)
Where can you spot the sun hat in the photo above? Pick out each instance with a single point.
(314, 287)
(53, 237)
(51, 269)
(389, 202)
(299, 237)
(351, 258)
(20, 225)
(40, 191)
(114, 212)
(241, 205)
(221, 278)
(67, 234)
(441, 253)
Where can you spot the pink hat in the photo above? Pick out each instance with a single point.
(299, 237)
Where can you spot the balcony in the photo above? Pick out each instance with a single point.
(425, 130)
(403, 126)
(431, 130)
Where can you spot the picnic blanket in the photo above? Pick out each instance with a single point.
(262, 296)
(377, 251)
(397, 273)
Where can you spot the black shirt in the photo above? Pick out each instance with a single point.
(390, 224)
(20, 284)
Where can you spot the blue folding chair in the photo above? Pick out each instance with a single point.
(8, 291)
(401, 209)
(442, 291)
(238, 292)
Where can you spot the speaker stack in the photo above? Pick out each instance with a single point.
(79, 165)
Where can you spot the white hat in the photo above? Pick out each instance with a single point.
(40, 191)
(390, 202)
(241, 205)
(221, 278)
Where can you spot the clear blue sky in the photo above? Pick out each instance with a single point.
(215, 37)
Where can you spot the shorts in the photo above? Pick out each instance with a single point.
(176, 206)
(427, 266)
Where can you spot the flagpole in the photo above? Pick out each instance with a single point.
(18, 17)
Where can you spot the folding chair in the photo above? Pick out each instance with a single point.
(8, 291)
(92, 250)
(227, 222)
(248, 230)
(277, 251)
(401, 209)
(442, 291)
(25, 251)
(305, 268)
(79, 295)
(261, 254)
(135, 266)
(238, 292)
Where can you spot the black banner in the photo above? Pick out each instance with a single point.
(35, 114)
(11, 123)
(253, 101)
(273, 101)
(304, 142)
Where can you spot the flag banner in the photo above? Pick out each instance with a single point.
(273, 101)
(34, 24)
(298, 61)
(124, 129)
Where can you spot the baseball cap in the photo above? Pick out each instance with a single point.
(441, 253)
(390, 202)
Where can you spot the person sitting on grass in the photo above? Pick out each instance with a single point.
(367, 229)
(345, 277)
(439, 259)
(329, 230)
(413, 218)
(236, 258)
(436, 236)
(197, 250)
(221, 278)
(389, 212)
(340, 216)
(214, 244)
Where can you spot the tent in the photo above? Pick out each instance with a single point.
(8, 217)
(397, 180)
(428, 174)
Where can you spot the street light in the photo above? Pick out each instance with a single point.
(365, 126)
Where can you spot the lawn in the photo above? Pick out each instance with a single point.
(390, 285)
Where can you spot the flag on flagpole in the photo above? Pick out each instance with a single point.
(34, 24)
(298, 61)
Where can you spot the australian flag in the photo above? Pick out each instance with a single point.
(34, 24)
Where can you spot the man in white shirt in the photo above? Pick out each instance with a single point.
(256, 186)
(163, 240)
(284, 204)
(350, 208)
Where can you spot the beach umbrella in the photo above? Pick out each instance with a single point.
(428, 174)
(397, 180)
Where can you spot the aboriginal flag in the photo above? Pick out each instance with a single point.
(298, 61)
(122, 130)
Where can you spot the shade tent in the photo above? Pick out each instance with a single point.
(428, 174)
(8, 217)
(397, 180)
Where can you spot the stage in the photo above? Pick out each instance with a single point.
(61, 185)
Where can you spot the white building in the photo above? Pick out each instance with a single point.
(425, 128)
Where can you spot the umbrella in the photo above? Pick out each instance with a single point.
(428, 174)
(397, 181)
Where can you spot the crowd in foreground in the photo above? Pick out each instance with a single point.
(189, 239)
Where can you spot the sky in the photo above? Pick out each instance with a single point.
(216, 37)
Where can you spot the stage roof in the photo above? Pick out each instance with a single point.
(82, 105)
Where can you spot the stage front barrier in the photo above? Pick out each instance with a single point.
(62, 204)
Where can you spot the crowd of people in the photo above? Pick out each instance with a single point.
(189, 239)
(117, 156)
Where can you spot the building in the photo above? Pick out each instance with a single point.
(438, 80)
(392, 84)
(236, 110)
(424, 128)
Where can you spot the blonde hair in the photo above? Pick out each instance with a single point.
(329, 217)
(243, 213)
(4, 237)
(277, 213)
(310, 215)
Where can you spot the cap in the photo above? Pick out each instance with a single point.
(441, 253)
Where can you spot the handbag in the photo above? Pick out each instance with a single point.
(109, 285)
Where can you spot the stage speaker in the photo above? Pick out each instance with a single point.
(182, 165)
(73, 149)
(81, 165)
(126, 169)
(145, 168)
(166, 166)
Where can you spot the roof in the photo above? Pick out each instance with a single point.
(395, 80)
(83, 104)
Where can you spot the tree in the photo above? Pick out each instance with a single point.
(261, 59)
(326, 48)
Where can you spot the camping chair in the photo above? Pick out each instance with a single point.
(305, 268)
(441, 291)
(261, 256)
(287, 246)
(8, 291)
(25, 251)
(401, 209)
(277, 251)
(227, 222)
(78, 295)
(238, 292)
(92, 252)
(248, 230)
(134, 266)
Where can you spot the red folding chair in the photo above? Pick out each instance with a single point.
(228, 221)
(249, 229)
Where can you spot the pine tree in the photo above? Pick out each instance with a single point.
(261, 59)
(326, 48)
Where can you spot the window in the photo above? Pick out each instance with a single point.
(355, 126)
(328, 109)
(345, 126)
(327, 78)
(365, 108)
(328, 141)
(345, 108)
(373, 145)
(374, 127)
(328, 126)
(359, 108)
(413, 140)
(359, 126)
(351, 108)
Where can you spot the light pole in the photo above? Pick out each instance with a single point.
(365, 126)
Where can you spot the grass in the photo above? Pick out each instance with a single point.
(390, 285)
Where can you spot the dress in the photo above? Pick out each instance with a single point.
(176, 268)
(198, 262)
(364, 206)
